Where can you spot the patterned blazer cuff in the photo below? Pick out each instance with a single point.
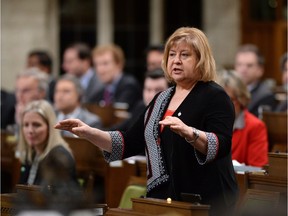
(212, 150)
(117, 147)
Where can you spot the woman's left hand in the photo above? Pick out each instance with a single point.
(176, 125)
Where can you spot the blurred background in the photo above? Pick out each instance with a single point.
(134, 25)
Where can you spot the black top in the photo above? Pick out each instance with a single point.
(8, 102)
(59, 162)
(208, 108)
(261, 95)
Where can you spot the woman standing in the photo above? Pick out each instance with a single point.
(186, 131)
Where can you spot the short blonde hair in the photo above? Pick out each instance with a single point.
(117, 52)
(199, 44)
(231, 80)
(45, 110)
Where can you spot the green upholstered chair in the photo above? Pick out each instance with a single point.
(131, 191)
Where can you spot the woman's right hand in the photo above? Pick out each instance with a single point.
(75, 126)
(98, 137)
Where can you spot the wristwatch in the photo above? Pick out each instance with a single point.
(196, 135)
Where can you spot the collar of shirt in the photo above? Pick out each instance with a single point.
(84, 80)
(252, 86)
(112, 86)
(71, 115)
(239, 122)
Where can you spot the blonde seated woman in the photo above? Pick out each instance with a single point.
(45, 157)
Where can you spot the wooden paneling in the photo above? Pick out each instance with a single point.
(269, 34)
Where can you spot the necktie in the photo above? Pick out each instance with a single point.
(107, 97)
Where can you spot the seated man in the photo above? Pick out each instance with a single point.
(154, 56)
(249, 140)
(154, 83)
(77, 61)
(249, 64)
(31, 84)
(41, 59)
(7, 104)
(282, 106)
(119, 87)
(67, 101)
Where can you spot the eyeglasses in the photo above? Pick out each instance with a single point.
(25, 90)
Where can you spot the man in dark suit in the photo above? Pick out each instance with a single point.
(77, 61)
(118, 88)
(154, 56)
(249, 63)
(8, 102)
(154, 83)
(42, 60)
(67, 101)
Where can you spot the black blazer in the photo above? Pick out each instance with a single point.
(8, 102)
(261, 95)
(208, 108)
(127, 91)
(58, 160)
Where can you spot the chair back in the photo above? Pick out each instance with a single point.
(276, 123)
(109, 115)
(136, 188)
(90, 163)
(88, 157)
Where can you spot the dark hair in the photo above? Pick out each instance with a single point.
(283, 61)
(76, 82)
(254, 49)
(155, 74)
(83, 50)
(43, 57)
(159, 48)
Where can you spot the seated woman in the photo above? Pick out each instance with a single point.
(249, 140)
(45, 157)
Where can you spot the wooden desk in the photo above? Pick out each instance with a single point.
(40, 201)
(270, 183)
(275, 180)
(263, 182)
(267, 182)
(149, 206)
(7, 201)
